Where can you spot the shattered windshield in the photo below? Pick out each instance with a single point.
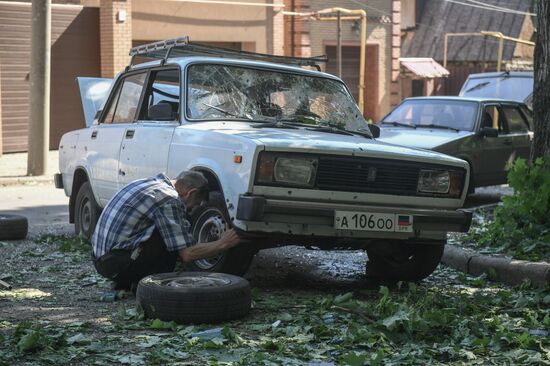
(434, 113)
(238, 93)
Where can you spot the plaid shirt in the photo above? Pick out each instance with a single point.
(136, 210)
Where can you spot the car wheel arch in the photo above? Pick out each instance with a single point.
(79, 178)
(469, 160)
(214, 183)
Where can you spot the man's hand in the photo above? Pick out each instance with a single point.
(230, 239)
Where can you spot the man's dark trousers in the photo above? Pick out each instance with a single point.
(126, 272)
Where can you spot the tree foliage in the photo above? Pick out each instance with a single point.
(541, 95)
(521, 225)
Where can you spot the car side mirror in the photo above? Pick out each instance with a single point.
(488, 132)
(160, 112)
(375, 130)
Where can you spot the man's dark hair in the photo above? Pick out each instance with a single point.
(191, 179)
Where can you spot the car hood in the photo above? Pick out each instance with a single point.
(424, 138)
(279, 139)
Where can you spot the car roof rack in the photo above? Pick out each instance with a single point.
(182, 47)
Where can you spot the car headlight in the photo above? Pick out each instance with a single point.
(441, 182)
(286, 170)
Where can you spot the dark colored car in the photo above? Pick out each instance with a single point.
(487, 133)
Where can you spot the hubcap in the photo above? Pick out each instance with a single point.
(211, 230)
(86, 215)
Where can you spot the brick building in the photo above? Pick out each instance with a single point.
(93, 38)
(306, 37)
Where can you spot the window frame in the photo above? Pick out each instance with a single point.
(244, 66)
(147, 71)
(148, 84)
(501, 117)
(519, 111)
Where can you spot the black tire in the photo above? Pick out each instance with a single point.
(194, 297)
(86, 212)
(13, 227)
(400, 260)
(208, 223)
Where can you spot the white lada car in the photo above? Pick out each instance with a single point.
(287, 153)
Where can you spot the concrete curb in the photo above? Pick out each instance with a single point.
(509, 271)
(18, 181)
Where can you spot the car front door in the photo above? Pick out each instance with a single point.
(146, 143)
(495, 152)
(106, 137)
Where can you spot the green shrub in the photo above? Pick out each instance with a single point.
(521, 225)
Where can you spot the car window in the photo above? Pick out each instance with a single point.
(528, 114)
(503, 86)
(456, 114)
(124, 104)
(111, 111)
(492, 118)
(163, 89)
(515, 120)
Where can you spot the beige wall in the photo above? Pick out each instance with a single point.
(156, 20)
(522, 51)
(324, 32)
(408, 14)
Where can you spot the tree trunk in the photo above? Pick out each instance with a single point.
(541, 96)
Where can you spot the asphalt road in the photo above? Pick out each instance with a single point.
(45, 207)
(47, 211)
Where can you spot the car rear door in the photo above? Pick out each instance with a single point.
(105, 138)
(495, 152)
(146, 143)
(518, 127)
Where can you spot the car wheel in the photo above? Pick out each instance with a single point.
(209, 221)
(87, 212)
(399, 260)
(13, 227)
(194, 297)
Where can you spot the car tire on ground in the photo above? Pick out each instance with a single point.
(87, 212)
(209, 221)
(194, 297)
(13, 227)
(401, 260)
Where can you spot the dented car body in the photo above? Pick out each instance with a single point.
(288, 156)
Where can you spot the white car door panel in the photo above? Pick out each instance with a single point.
(144, 150)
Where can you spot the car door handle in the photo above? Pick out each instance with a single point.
(94, 134)
(507, 142)
(130, 134)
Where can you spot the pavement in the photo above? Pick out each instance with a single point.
(13, 169)
(47, 211)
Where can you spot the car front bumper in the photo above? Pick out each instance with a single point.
(317, 218)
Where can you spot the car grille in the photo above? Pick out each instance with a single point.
(368, 175)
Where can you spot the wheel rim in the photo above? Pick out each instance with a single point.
(86, 215)
(194, 282)
(210, 230)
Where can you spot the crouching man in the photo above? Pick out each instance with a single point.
(143, 229)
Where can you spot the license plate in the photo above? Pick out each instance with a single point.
(372, 221)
